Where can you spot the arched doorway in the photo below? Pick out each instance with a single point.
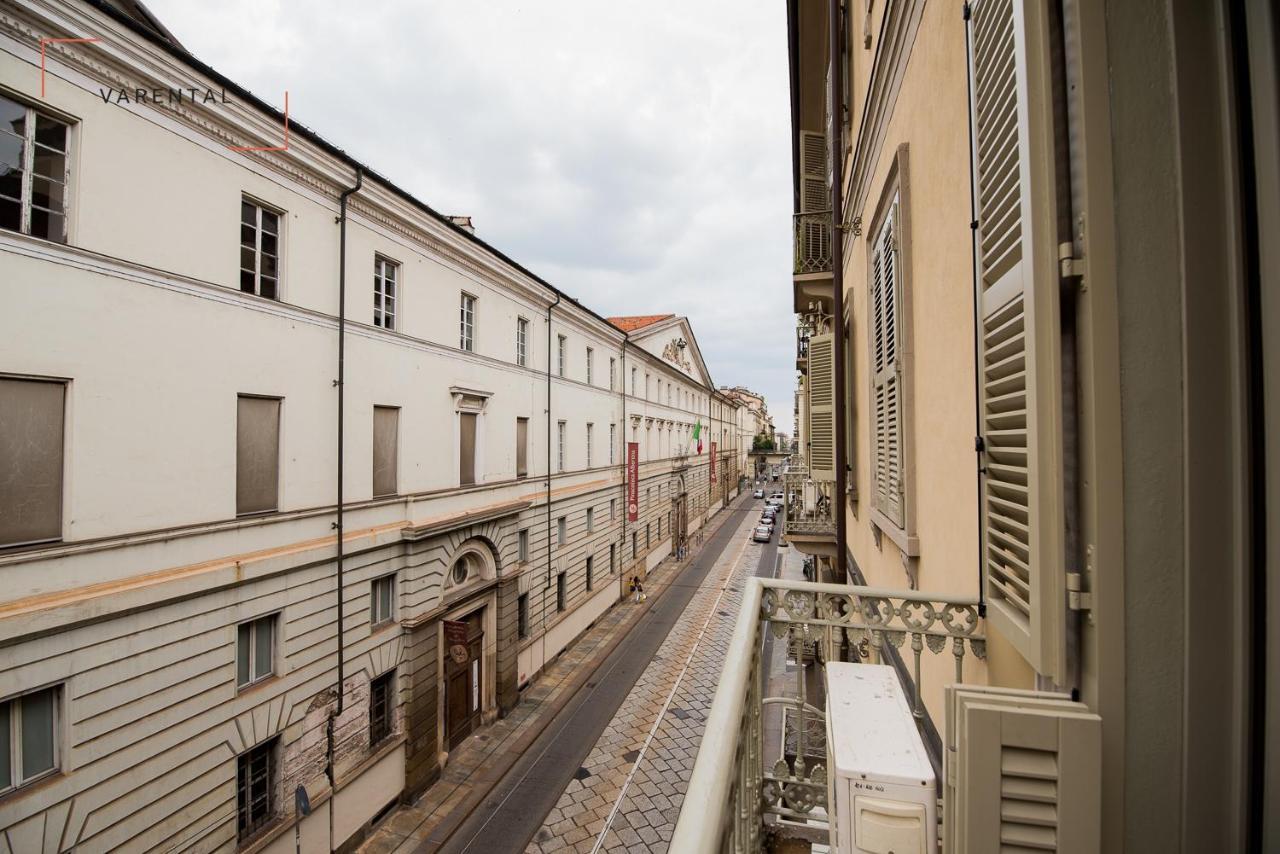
(465, 679)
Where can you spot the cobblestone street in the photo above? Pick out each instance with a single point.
(627, 795)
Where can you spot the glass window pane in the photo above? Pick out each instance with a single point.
(10, 150)
(264, 641)
(248, 258)
(248, 214)
(242, 654)
(47, 194)
(13, 116)
(248, 236)
(247, 281)
(50, 226)
(269, 244)
(268, 265)
(51, 133)
(268, 288)
(37, 733)
(270, 223)
(6, 759)
(11, 183)
(50, 164)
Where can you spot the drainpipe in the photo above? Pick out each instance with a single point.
(978, 445)
(622, 549)
(837, 281)
(338, 524)
(548, 584)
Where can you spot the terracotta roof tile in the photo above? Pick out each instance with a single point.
(637, 321)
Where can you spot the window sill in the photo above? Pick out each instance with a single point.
(35, 784)
(908, 544)
(254, 687)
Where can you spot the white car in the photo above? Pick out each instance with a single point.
(762, 534)
(759, 493)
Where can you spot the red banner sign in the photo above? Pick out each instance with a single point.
(713, 462)
(633, 481)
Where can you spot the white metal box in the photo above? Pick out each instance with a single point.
(882, 792)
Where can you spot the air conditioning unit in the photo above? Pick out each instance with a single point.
(881, 787)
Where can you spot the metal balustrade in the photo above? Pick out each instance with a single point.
(813, 242)
(808, 504)
(736, 798)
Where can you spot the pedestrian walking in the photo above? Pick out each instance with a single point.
(637, 588)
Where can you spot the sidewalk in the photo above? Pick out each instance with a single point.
(482, 760)
(635, 777)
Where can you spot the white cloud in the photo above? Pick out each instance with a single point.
(636, 154)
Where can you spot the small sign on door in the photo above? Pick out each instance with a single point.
(455, 640)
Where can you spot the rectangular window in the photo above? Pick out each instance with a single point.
(522, 616)
(31, 448)
(591, 565)
(591, 428)
(561, 342)
(613, 509)
(28, 737)
(382, 607)
(522, 447)
(591, 358)
(259, 250)
(562, 531)
(633, 545)
(256, 650)
(466, 448)
(467, 324)
(386, 450)
(561, 600)
(522, 342)
(382, 707)
(648, 384)
(647, 542)
(633, 382)
(613, 558)
(560, 431)
(613, 374)
(591, 519)
(613, 444)
(522, 546)
(257, 454)
(33, 171)
(256, 772)
(385, 273)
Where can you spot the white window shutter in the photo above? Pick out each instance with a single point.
(886, 372)
(1019, 359)
(821, 379)
(1022, 772)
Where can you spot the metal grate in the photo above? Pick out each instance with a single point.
(381, 693)
(256, 789)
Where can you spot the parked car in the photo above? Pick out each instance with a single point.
(776, 499)
(759, 493)
(762, 534)
(766, 521)
(769, 511)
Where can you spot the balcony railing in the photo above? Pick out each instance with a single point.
(809, 504)
(813, 242)
(745, 787)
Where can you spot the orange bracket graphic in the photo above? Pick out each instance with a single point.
(284, 147)
(44, 42)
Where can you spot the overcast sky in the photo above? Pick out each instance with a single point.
(634, 154)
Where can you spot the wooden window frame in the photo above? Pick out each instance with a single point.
(260, 207)
(522, 342)
(14, 735)
(378, 619)
(895, 196)
(386, 292)
(467, 322)
(27, 155)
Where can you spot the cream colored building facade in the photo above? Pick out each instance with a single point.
(177, 655)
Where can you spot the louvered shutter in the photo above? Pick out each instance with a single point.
(822, 429)
(886, 373)
(1022, 772)
(814, 238)
(1019, 359)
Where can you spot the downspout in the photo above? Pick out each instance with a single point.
(622, 549)
(338, 524)
(547, 586)
(979, 445)
(837, 281)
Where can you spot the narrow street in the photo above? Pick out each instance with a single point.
(608, 771)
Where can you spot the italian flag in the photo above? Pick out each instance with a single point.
(697, 434)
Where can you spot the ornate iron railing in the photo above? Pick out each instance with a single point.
(809, 503)
(736, 794)
(813, 242)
